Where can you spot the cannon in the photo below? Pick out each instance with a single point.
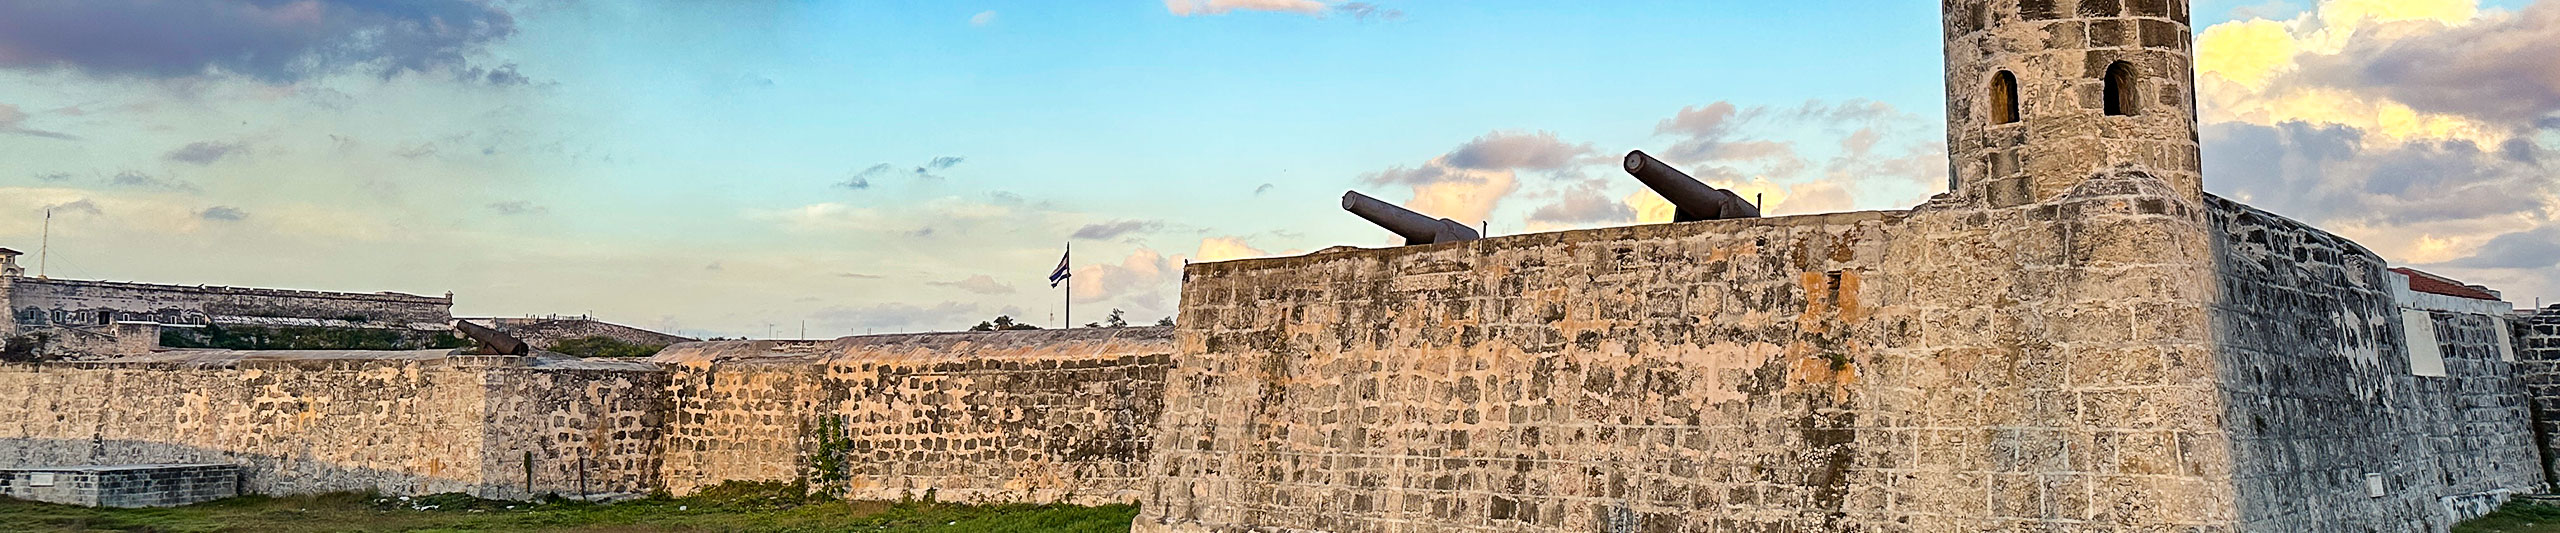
(1696, 200)
(1416, 228)
(491, 341)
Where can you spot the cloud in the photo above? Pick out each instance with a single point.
(517, 207)
(223, 213)
(55, 177)
(204, 152)
(2334, 174)
(857, 275)
(2502, 69)
(13, 121)
(1585, 202)
(2421, 129)
(1144, 283)
(983, 18)
(1470, 181)
(80, 206)
(138, 180)
(861, 179)
(1368, 11)
(271, 41)
(2537, 248)
(1114, 229)
(981, 284)
(938, 164)
(1516, 150)
(1185, 8)
(503, 76)
(1226, 248)
(896, 317)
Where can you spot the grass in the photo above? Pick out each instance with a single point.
(733, 507)
(2515, 517)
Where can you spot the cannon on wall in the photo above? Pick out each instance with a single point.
(1416, 228)
(1696, 200)
(491, 341)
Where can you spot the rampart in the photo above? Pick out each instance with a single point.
(2067, 364)
(1031, 416)
(45, 302)
(304, 422)
(2335, 423)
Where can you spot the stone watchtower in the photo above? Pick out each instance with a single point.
(9, 272)
(2042, 94)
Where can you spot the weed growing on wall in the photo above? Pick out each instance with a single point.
(829, 456)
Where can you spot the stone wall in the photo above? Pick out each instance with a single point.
(2537, 349)
(306, 422)
(2320, 393)
(1017, 416)
(40, 302)
(1947, 369)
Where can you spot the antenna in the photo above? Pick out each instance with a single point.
(44, 251)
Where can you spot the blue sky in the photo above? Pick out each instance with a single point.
(685, 165)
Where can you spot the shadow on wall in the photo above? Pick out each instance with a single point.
(284, 475)
(263, 474)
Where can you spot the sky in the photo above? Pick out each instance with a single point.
(753, 168)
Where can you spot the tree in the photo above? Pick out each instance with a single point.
(1166, 322)
(1002, 323)
(1114, 320)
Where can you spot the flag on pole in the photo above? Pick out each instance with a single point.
(1060, 275)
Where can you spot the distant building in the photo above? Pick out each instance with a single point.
(217, 316)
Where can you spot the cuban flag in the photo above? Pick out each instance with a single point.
(1060, 275)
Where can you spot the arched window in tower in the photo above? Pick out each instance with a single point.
(2004, 98)
(2120, 90)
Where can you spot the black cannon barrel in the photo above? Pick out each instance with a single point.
(1696, 200)
(1416, 228)
(491, 341)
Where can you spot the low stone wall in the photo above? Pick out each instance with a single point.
(307, 422)
(1016, 416)
(122, 486)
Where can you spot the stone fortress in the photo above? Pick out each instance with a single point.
(2075, 337)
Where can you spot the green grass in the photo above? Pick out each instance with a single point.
(2515, 517)
(735, 507)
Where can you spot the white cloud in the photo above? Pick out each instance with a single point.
(981, 284)
(2420, 128)
(983, 18)
(1185, 8)
(1226, 248)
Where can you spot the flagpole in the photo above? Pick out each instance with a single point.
(1070, 297)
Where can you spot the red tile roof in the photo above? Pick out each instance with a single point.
(2434, 284)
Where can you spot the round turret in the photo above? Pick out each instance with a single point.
(2044, 93)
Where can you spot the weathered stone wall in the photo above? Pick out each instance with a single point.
(1947, 369)
(2319, 391)
(2537, 348)
(1017, 416)
(39, 302)
(304, 422)
(585, 427)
